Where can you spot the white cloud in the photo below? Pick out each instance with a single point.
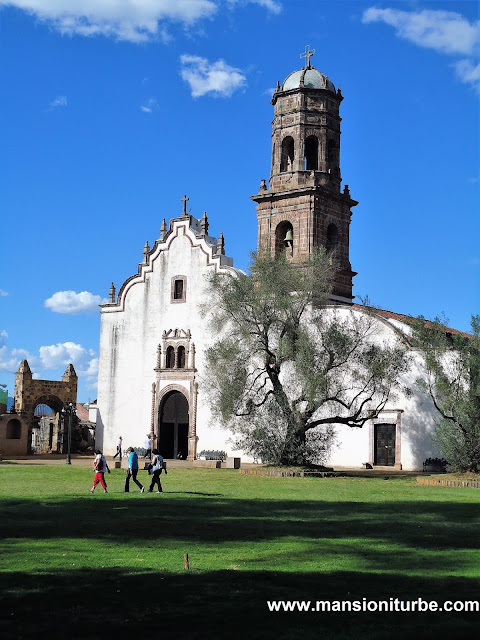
(54, 356)
(271, 5)
(60, 101)
(149, 106)
(204, 76)
(444, 31)
(73, 303)
(61, 354)
(468, 72)
(10, 359)
(3, 293)
(133, 20)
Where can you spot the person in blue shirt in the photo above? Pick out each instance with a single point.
(132, 471)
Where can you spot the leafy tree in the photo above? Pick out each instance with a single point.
(452, 379)
(286, 367)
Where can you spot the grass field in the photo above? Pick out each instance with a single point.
(75, 565)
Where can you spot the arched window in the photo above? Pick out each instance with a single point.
(288, 154)
(181, 357)
(311, 153)
(283, 237)
(14, 430)
(332, 238)
(170, 358)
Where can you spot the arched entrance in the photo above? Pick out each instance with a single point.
(174, 423)
(48, 430)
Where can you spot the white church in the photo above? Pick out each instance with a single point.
(153, 334)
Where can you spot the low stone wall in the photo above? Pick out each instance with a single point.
(208, 464)
(288, 473)
(444, 482)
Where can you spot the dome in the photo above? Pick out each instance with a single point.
(309, 78)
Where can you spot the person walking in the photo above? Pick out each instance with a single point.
(119, 448)
(157, 468)
(148, 447)
(132, 470)
(100, 466)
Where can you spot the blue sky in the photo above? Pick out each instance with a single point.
(112, 110)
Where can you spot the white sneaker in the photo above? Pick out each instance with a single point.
(142, 489)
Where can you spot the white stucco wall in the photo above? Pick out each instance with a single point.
(132, 328)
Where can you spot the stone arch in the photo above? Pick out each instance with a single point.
(14, 429)
(29, 393)
(281, 244)
(288, 154)
(311, 153)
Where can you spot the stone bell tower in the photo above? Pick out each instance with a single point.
(303, 207)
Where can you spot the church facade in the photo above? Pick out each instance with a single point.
(154, 333)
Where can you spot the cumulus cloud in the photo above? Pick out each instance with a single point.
(60, 101)
(149, 105)
(61, 354)
(204, 76)
(51, 357)
(444, 31)
(447, 32)
(3, 293)
(72, 303)
(469, 73)
(132, 20)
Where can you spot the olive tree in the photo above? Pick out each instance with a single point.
(452, 379)
(286, 367)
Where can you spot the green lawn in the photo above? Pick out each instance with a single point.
(77, 565)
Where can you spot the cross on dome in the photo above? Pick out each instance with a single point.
(307, 55)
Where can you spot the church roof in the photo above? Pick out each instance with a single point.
(308, 77)
(410, 320)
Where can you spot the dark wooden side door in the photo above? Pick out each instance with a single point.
(385, 444)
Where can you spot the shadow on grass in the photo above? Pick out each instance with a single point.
(205, 518)
(221, 604)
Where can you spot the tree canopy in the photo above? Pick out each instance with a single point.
(286, 366)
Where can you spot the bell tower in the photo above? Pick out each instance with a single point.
(303, 206)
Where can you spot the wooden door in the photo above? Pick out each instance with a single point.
(385, 444)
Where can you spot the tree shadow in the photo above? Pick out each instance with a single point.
(94, 603)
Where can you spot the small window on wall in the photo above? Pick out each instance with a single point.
(14, 430)
(170, 358)
(179, 286)
(181, 357)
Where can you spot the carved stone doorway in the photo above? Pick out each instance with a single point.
(174, 426)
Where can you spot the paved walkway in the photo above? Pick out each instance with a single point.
(87, 461)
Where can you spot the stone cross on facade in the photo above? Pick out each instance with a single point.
(184, 200)
(307, 55)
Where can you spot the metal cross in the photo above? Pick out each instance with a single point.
(308, 54)
(184, 200)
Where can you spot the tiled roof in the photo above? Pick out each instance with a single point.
(409, 320)
(82, 413)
